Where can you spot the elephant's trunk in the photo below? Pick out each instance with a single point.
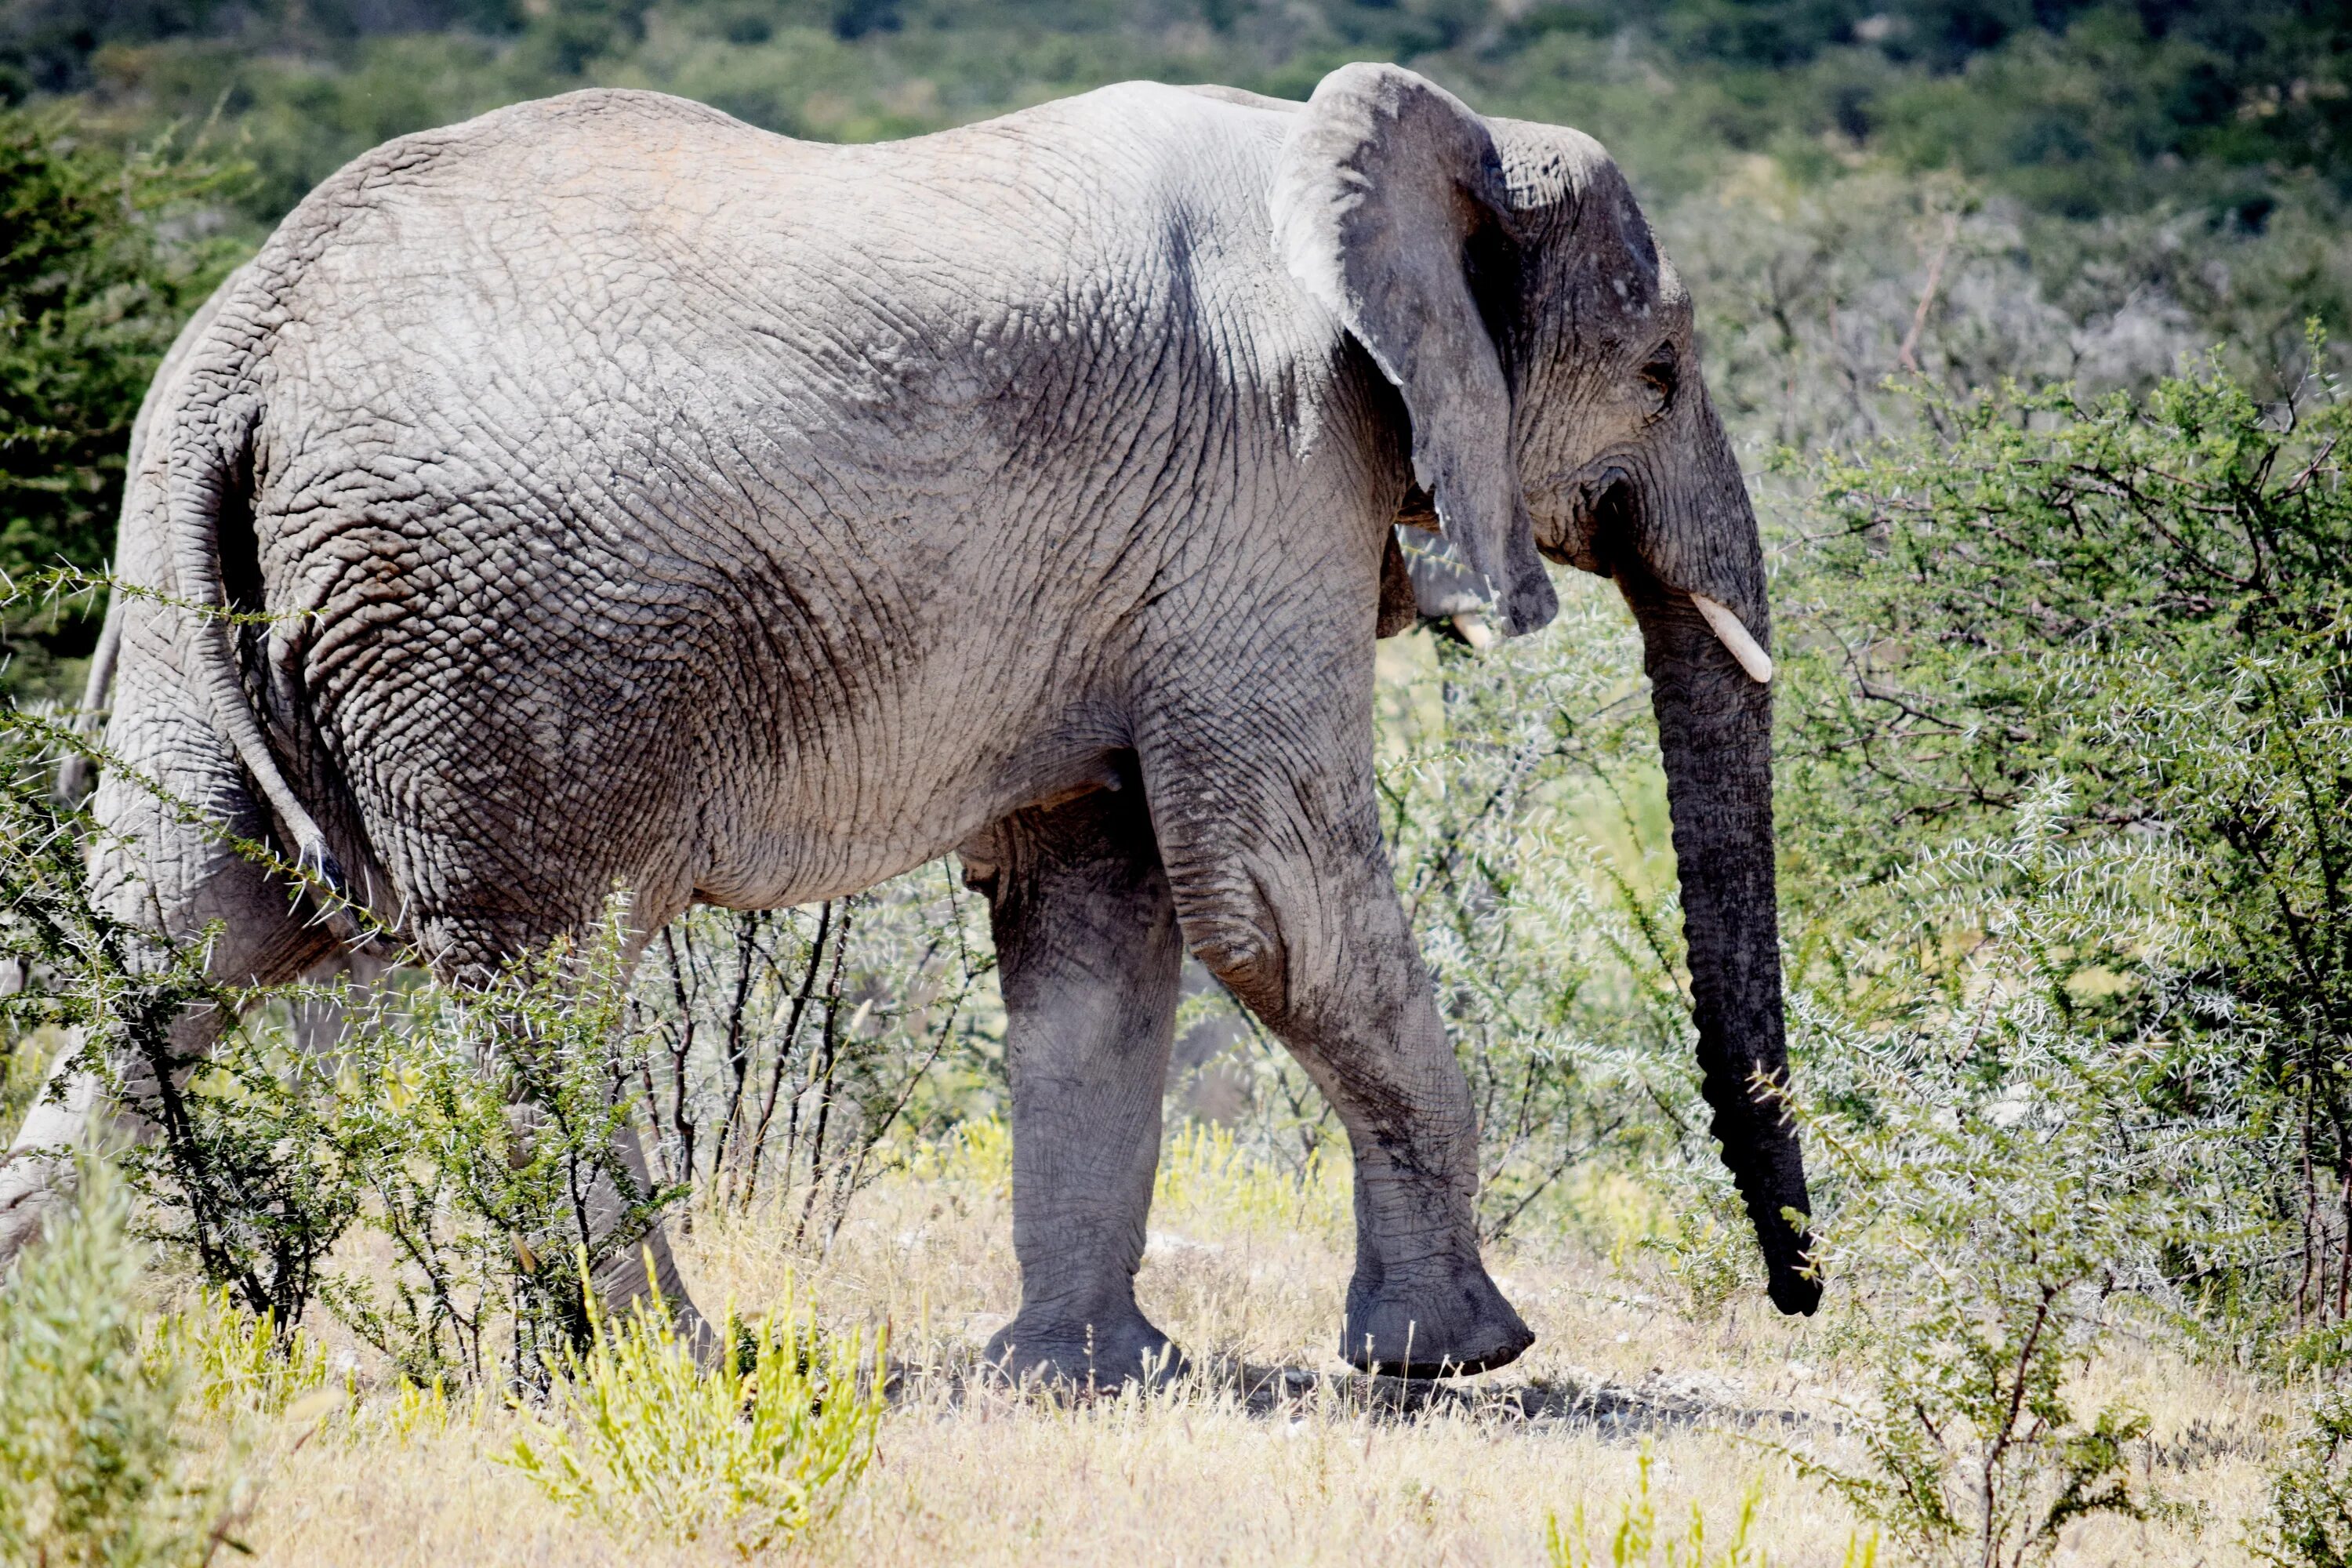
(1715, 728)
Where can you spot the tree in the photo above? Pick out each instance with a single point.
(105, 254)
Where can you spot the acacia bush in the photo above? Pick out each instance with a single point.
(2309, 1521)
(2146, 602)
(256, 1185)
(2002, 1193)
(467, 1127)
(462, 1126)
(476, 1127)
(2072, 999)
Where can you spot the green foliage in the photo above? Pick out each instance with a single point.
(2190, 537)
(254, 1177)
(2001, 1181)
(105, 254)
(757, 1450)
(549, 1043)
(253, 1180)
(478, 1130)
(2309, 1524)
(233, 1361)
(89, 1474)
(2079, 108)
(253, 1185)
(2148, 603)
(466, 1126)
(2068, 1010)
(1637, 1543)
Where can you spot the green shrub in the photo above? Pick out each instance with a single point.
(234, 1360)
(464, 1125)
(1999, 1186)
(90, 1476)
(105, 256)
(758, 1449)
(2148, 604)
(250, 1173)
(2309, 1522)
(2071, 1012)
(469, 1125)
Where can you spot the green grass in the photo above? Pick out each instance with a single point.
(758, 1449)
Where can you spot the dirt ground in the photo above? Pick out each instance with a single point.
(1269, 1451)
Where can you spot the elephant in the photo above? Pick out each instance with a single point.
(636, 498)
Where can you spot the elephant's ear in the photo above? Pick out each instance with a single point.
(1383, 183)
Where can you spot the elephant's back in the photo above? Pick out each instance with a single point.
(665, 179)
(580, 320)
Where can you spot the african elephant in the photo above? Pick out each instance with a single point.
(642, 500)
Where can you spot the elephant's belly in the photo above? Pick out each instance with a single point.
(811, 834)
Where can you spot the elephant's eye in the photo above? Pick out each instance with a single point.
(1659, 375)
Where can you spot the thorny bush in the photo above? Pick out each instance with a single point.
(2151, 602)
(468, 1126)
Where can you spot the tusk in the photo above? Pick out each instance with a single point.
(1474, 631)
(1745, 648)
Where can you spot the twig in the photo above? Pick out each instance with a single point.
(1907, 356)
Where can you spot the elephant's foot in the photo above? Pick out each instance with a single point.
(1442, 1324)
(1110, 1348)
(623, 1282)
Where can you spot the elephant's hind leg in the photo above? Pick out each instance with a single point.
(1087, 944)
(469, 950)
(161, 873)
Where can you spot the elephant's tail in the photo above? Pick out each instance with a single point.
(210, 492)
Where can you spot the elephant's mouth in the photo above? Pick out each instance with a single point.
(1583, 518)
(1590, 527)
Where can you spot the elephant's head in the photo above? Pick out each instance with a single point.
(1501, 276)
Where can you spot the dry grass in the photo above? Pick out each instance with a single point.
(1314, 1473)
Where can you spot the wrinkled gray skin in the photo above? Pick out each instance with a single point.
(679, 507)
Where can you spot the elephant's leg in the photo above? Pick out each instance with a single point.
(158, 873)
(1287, 896)
(320, 1021)
(1088, 953)
(623, 1279)
(469, 950)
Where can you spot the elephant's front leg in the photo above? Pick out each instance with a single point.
(1287, 896)
(1088, 952)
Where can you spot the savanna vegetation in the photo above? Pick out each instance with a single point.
(2026, 318)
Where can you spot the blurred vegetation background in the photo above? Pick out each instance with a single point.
(2078, 108)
